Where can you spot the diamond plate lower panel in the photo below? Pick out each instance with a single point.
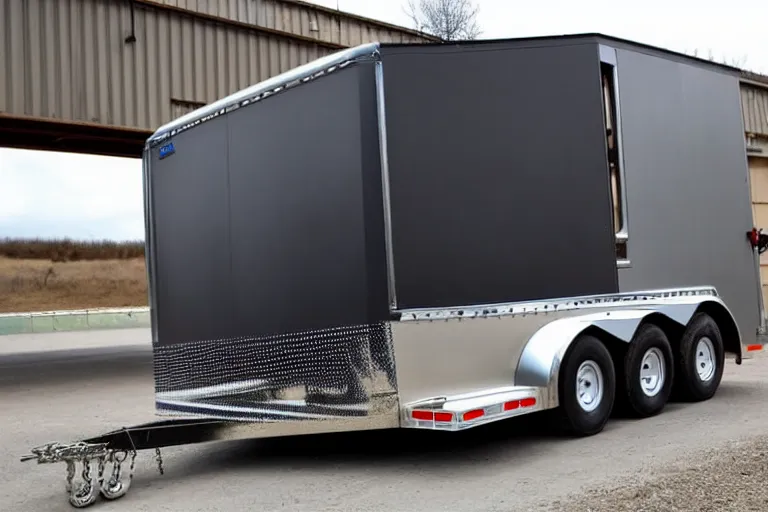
(332, 373)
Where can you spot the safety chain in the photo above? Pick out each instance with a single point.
(159, 460)
(91, 486)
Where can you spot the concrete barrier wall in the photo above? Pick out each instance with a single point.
(79, 320)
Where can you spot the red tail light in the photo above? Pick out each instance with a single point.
(423, 415)
(472, 415)
(515, 404)
(432, 416)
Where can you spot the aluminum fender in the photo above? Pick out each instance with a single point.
(539, 363)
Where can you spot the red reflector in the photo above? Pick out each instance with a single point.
(423, 415)
(511, 406)
(444, 416)
(752, 348)
(471, 415)
(527, 402)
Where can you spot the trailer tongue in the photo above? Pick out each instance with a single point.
(439, 236)
(117, 449)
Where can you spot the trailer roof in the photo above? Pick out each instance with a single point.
(587, 37)
(257, 91)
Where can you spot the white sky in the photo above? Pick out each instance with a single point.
(45, 194)
(64, 195)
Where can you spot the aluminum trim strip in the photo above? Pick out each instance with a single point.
(553, 305)
(149, 243)
(234, 408)
(385, 185)
(212, 391)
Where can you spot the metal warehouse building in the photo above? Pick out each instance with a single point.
(99, 76)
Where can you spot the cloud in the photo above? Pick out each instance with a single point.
(49, 194)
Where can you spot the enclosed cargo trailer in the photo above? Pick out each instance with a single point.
(440, 236)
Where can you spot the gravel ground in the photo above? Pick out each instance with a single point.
(731, 477)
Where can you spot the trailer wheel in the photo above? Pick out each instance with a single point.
(648, 372)
(700, 360)
(586, 387)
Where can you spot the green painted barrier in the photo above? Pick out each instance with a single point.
(15, 324)
(81, 320)
(106, 320)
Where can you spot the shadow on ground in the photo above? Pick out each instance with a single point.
(392, 451)
(511, 441)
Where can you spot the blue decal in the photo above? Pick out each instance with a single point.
(167, 150)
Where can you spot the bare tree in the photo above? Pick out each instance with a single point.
(450, 20)
(733, 62)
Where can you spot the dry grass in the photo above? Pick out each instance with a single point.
(69, 250)
(40, 285)
(42, 275)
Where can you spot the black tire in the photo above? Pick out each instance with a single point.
(689, 385)
(636, 401)
(572, 417)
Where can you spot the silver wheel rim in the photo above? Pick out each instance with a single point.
(705, 359)
(589, 386)
(652, 372)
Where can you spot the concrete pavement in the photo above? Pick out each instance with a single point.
(508, 466)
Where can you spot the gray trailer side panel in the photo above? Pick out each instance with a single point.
(296, 251)
(190, 229)
(261, 216)
(297, 215)
(687, 183)
(488, 205)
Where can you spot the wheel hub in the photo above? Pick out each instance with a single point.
(705, 359)
(589, 386)
(652, 375)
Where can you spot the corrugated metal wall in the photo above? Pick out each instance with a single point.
(303, 19)
(758, 167)
(754, 104)
(244, 11)
(68, 59)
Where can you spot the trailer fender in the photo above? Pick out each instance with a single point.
(539, 364)
(732, 340)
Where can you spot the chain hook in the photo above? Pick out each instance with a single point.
(116, 487)
(85, 493)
